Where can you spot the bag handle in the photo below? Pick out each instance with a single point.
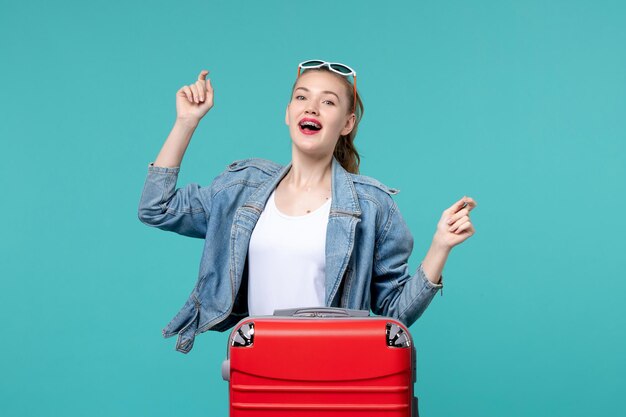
(321, 312)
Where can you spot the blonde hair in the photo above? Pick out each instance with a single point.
(345, 152)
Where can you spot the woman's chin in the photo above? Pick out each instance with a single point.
(310, 148)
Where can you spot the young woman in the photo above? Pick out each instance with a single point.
(311, 233)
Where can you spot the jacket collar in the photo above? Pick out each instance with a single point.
(344, 197)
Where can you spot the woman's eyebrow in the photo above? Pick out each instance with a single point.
(325, 91)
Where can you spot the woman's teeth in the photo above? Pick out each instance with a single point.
(310, 125)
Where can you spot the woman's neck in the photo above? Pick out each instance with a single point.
(307, 173)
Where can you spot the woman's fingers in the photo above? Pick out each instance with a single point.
(460, 214)
(187, 91)
(203, 84)
(196, 94)
(456, 206)
(456, 211)
(199, 98)
(201, 90)
(457, 224)
(193, 101)
(465, 226)
(201, 87)
(202, 75)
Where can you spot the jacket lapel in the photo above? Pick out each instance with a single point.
(345, 213)
(246, 218)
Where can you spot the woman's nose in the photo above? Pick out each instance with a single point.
(311, 109)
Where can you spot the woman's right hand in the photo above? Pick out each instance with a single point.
(193, 101)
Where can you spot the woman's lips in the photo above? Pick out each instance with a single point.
(309, 126)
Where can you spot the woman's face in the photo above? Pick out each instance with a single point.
(318, 113)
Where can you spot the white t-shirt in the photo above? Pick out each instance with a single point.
(287, 260)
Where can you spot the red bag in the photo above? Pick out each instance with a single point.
(320, 362)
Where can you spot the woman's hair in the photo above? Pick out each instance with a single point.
(345, 151)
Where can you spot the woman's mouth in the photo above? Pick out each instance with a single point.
(309, 126)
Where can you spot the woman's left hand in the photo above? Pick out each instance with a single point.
(455, 225)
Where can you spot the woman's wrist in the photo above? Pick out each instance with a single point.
(175, 145)
(187, 123)
(435, 260)
(440, 245)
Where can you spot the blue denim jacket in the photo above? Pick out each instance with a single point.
(367, 244)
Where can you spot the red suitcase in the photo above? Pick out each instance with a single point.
(320, 362)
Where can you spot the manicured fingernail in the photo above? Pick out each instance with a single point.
(449, 220)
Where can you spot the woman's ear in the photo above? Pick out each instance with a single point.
(287, 115)
(349, 125)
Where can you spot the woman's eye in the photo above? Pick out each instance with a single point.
(329, 102)
(299, 97)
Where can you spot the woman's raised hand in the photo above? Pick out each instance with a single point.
(193, 101)
(455, 225)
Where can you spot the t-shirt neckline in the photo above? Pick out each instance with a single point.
(286, 216)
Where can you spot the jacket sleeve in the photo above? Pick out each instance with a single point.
(184, 210)
(395, 293)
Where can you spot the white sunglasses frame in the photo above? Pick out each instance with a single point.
(326, 64)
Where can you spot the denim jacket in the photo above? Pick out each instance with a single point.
(367, 244)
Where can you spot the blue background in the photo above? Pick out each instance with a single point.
(518, 104)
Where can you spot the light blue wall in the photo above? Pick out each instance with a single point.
(519, 104)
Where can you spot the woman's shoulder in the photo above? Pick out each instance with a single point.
(249, 169)
(251, 172)
(371, 185)
(263, 165)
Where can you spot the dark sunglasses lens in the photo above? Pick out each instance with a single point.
(309, 64)
(341, 68)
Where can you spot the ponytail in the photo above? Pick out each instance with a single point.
(345, 151)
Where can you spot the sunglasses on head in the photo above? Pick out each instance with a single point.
(336, 67)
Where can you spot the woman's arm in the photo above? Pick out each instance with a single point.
(395, 292)
(192, 103)
(434, 262)
(453, 228)
(173, 150)
(184, 210)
